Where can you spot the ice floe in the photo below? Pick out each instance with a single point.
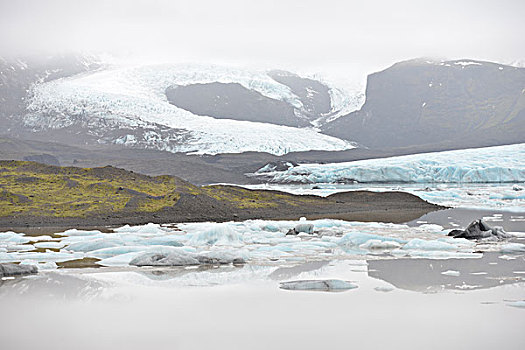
(452, 273)
(251, 241)
(513, 248)
(318, 285)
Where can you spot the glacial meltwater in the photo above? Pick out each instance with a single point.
(260, 284)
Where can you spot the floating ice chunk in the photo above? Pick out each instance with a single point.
(13, 237)
(21, 247)
(384, 289)
(49, 265)
(459, 242)
(519, 304)
(421, 244)
(303, 227)
(512, 248)
(113, 251)
(379, 245)
(40, 238)
(40, 257)
(221, 257)
(119, 260)
(432, 228)
(216, 234)
(318, 285)
(451, 273)
(358, 238)
(49, 245)
(75, 232)
(443, 254)
(270, 226)
(96, 244)
(168, 240)
(176, 258)
(149, 228)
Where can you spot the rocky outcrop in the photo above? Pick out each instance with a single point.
(450, 104)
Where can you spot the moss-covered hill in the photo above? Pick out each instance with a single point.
(33, 193)
(28, 188)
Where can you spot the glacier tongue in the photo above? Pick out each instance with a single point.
(134, 98)
(482, 165)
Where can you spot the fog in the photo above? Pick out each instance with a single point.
(325, 35)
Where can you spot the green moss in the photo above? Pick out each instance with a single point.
(246, 199)
(74, 192)
(28, 188)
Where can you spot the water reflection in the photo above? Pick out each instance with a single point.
(424, 275)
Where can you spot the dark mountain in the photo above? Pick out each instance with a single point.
(232, 101)
(314, 95)
(453, 104)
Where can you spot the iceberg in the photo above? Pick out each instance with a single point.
(358, 239)
(421, 244)
(181, 257)
(75, 232)
(519, 304)
(13, 238)
(452, 273)
(96, 244)
(175, 258)
(481, 165)
(318, 285)
(215, 234)
(513, 248)
(49, 245)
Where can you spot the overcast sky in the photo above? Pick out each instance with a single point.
(370, 34)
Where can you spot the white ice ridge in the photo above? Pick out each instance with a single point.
(134, 97)
(481, 165)
(252, 241)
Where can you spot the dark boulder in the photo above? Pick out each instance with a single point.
(479, 229)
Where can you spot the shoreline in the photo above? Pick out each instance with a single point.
(394, 207)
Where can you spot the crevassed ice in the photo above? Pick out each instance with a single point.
(135, 98)
(481, 165)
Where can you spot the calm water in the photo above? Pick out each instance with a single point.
(401, 300)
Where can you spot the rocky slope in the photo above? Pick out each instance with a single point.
(450, 104)
(38, 194)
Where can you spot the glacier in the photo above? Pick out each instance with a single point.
(496, 164)
(133, 98)
(498, 196)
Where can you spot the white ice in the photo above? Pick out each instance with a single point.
(452, 273)
(482, 165)
(257, 241)
(499, 196)
(319, 285)
(135, 98)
